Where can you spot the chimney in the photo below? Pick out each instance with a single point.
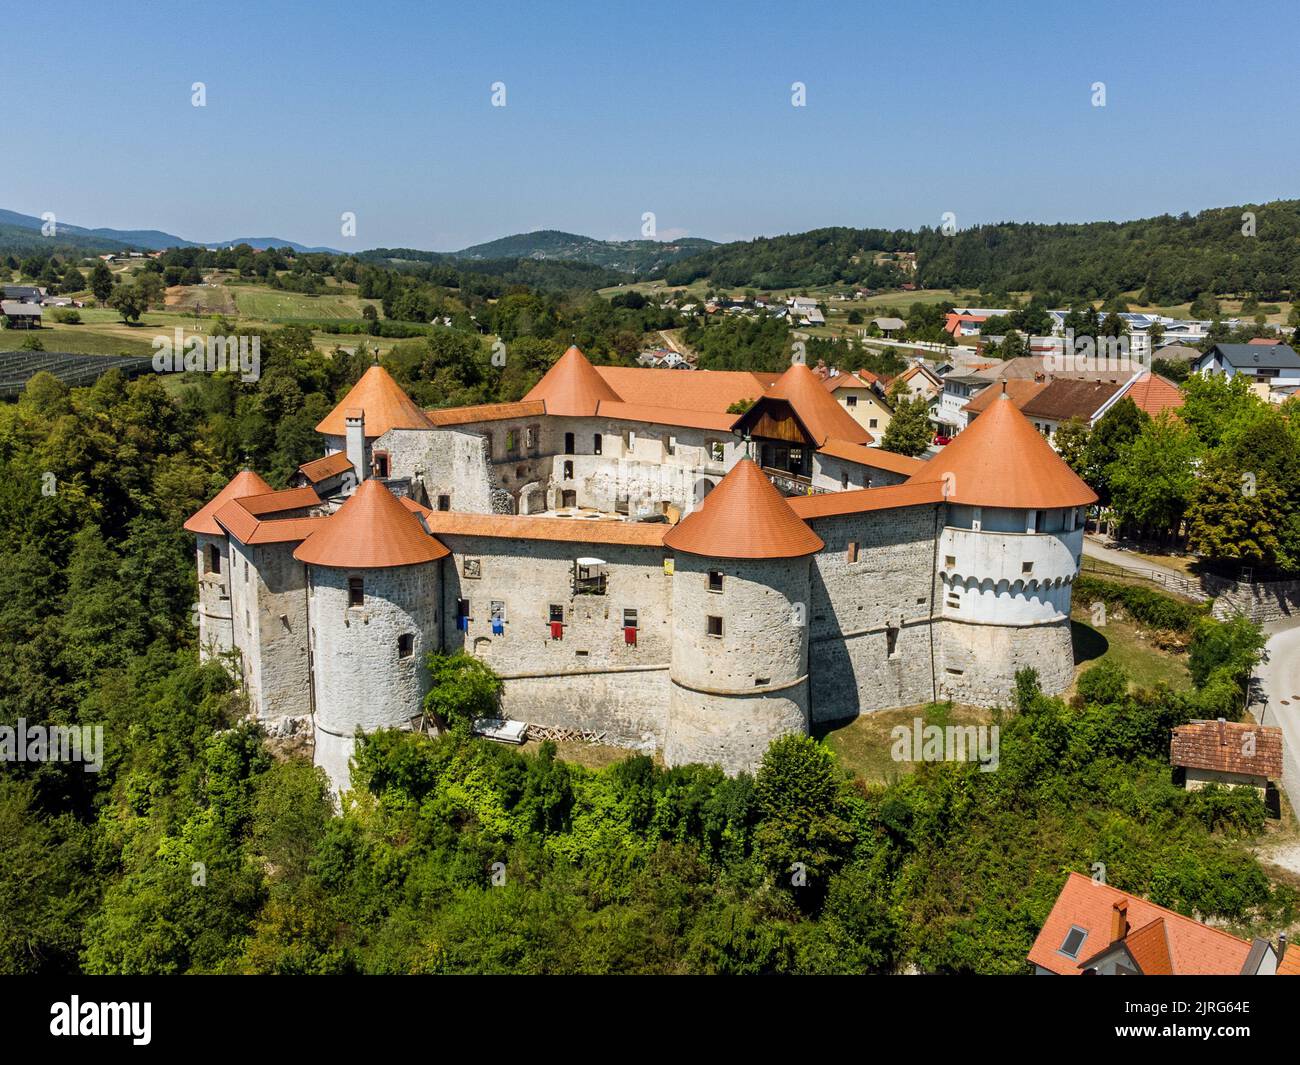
(355, 420)
(1119, 920)
(1223, 731)
(1281, 947)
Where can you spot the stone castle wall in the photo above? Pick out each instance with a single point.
(591, 678)
(856, 603)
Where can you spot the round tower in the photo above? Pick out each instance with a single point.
(740, 592)
(373, 588)
(1006, 558)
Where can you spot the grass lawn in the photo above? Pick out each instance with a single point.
(271, 304)
(1128, 646)
(863, 744)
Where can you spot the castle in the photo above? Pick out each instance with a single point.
(635, 559)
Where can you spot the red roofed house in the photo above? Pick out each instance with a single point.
(1098, 930)
(1231, 753)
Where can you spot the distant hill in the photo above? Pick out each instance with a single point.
(643, 257)
(23, 232)
(1170, 259)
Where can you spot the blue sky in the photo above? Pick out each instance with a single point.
(617, 109)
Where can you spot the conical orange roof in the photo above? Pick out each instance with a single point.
(244, 483)
(819, 411)
(744, 517)
(572, 386)
(371, 530)
(1003, 461)
(383, 402)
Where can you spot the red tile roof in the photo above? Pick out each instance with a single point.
(1003, 461)
(860, 500)
(703, 390)
(1018, 388)
(872, 456)
(1190, 948)
(744, 517)
(277, 502)
(247, 529)
(1153, 394)
(1228, 747)
(689, 419)
(816, 408)
(572, 386)
(485, 412)
(371, 530)
(382, 401)
(322, 469)
(244, 483)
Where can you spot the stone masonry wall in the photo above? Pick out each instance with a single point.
(892, 585)
(591, 678)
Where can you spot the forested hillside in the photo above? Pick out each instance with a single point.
(1170, 259)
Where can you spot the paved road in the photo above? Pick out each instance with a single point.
(1278, 679)
(1176, 580)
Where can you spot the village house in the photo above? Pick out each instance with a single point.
(1097, 930)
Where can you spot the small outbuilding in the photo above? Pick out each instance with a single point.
(1231, 753)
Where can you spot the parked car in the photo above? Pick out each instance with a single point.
(940, 439)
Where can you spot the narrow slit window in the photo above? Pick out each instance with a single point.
(214, 558)
(596, 443)
(852, 554)
(891, 641)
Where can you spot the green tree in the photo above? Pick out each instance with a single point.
(1151, 481)
(462, 688)
(909, 430)
(128, 302)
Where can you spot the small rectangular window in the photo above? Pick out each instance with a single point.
(380, 460)
(214, 558)
(444, 502)
(530, 438)
(715, 580)
(1026, 567)
(596, 444)
(844, 480)
(557, 613)
(512, 441)
(872, 423)
(629, 618)
(717, 450)
(405, 645)
(852, 554)
(568, 443)
(713, 625)
(851, 401)
(568, 471)
(891, 641)
(245, 571)
(473, 569)
(356, 592)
